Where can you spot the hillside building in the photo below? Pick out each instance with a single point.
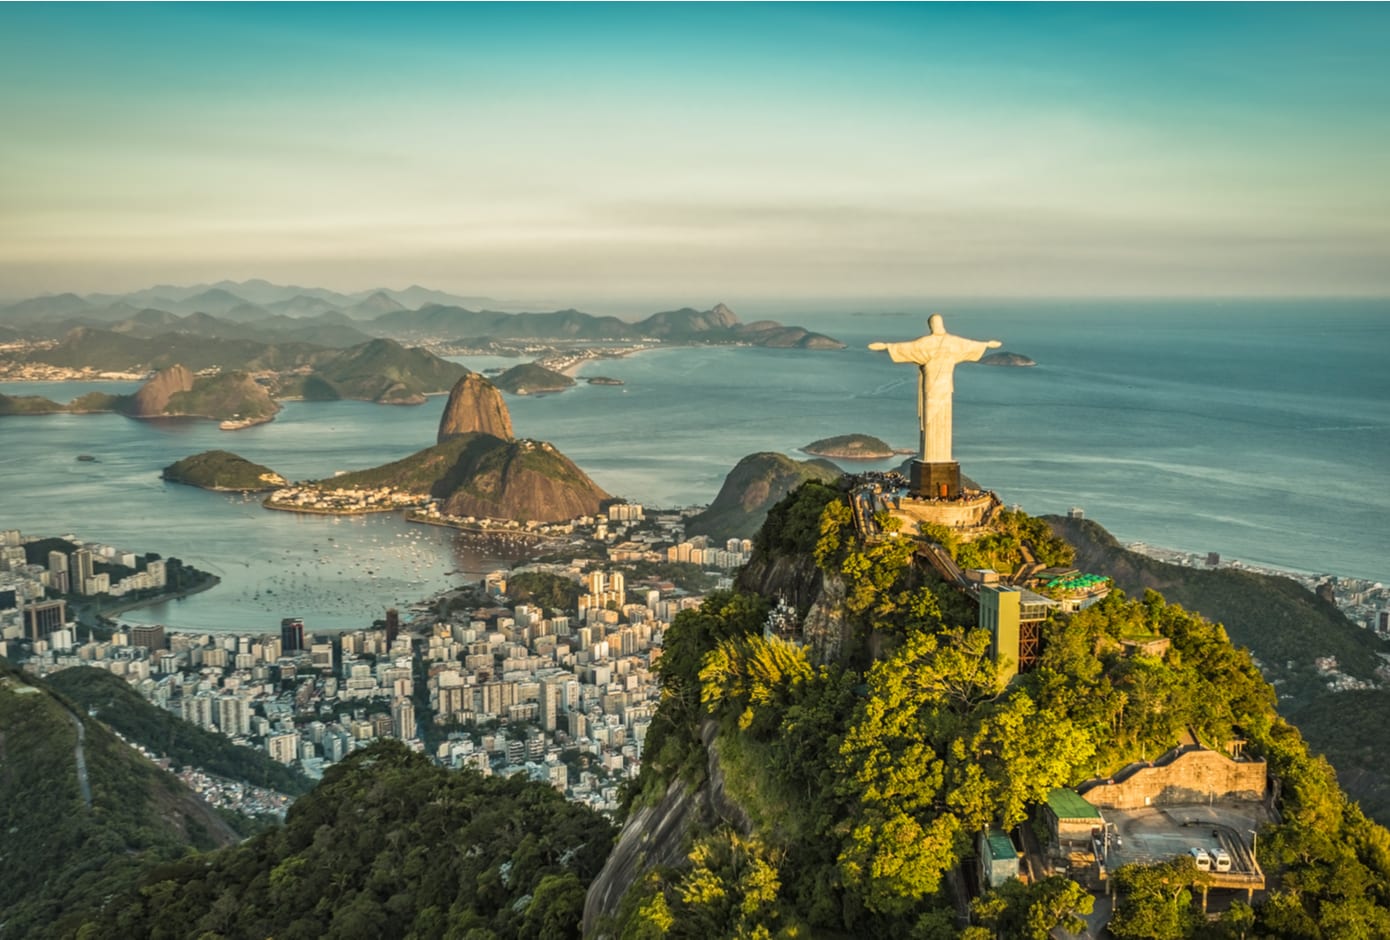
(1014, 617)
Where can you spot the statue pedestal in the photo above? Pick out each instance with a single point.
(934, 480)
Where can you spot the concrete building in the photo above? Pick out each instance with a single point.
(283, 747)
(1014, 617)
(1070, 818)
(150, 637)
(44, 617)
(82, 565)
(998, 858)
(291, 635)
(403, 718)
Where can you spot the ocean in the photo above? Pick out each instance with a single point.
(1256, 429)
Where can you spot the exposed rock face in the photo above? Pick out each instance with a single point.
(153, 397)
(657, 836)
(475, 404)
(520, 480)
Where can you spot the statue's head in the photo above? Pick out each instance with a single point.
(937, 325)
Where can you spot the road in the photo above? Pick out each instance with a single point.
(83, 784)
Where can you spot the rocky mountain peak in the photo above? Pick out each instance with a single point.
(475, 404)
(153, 397)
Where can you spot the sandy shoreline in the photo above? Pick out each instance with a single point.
(572, 364)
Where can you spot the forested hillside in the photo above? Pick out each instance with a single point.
(64, 848)
(111, 699)
(863, 780)
(387, 845)
(1287, 627)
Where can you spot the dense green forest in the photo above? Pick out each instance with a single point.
(61, 855)
(387, 845)
(865, 778)
(1287, 627)
(111, 699)
(222, 470)
(545, 590)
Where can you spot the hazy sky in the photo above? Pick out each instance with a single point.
(689, 153)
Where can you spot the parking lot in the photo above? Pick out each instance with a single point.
(1152, 835)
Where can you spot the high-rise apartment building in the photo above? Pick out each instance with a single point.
(403, 718)
(291, 635)
(81, 568)
(150, 637)
(44, 617)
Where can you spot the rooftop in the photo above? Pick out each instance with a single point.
(1000, 845)
(1068, 804)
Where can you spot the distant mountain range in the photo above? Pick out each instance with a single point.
(379, 370)
(259, 311)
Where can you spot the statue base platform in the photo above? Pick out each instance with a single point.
(969, 515)
(934, 480)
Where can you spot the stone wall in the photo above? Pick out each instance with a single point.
(968, 516)
(1190, 776)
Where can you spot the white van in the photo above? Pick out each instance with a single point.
(1201, 857)
(1221, 860)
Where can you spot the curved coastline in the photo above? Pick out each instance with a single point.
(208, 584)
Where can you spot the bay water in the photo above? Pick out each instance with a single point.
(1256, 429)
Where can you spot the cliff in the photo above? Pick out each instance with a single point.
(475, 405)
(656, 836)
(225, 396)
(152, 399)
(755, 484)
(221, 470)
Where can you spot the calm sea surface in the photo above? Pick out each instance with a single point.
(1259, 430)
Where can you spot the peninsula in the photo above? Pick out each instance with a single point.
(475, 468)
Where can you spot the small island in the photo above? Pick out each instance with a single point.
(853, 447)
(603, 380)
(223, 471)
(1005, 358)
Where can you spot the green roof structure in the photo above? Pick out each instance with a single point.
(1068, 804)
(1000, 845)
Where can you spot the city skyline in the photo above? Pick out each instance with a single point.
(627, 154)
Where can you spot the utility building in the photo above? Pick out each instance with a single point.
(1014, 617)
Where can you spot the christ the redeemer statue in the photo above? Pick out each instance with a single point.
(936, 355)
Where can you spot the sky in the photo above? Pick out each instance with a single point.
(591, 154)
